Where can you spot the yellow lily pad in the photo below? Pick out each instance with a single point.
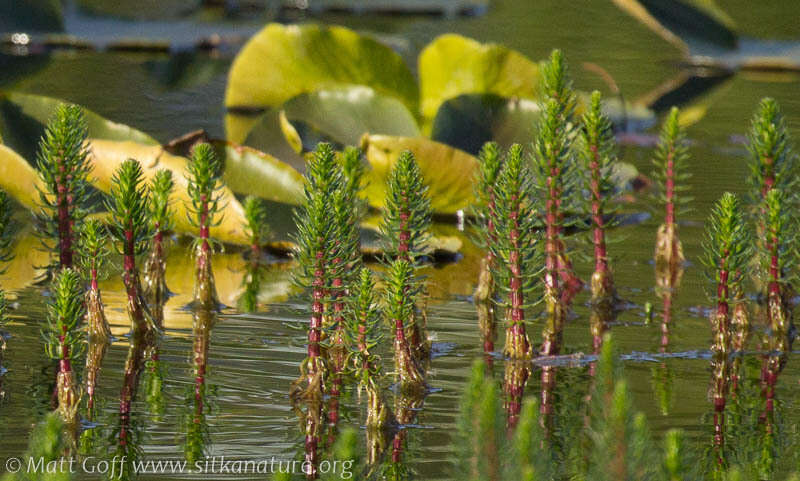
(107, 155)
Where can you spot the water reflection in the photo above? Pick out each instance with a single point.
(196, 425)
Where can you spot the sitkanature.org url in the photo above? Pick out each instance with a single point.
(218, 465)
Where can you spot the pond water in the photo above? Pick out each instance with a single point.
(253, 357)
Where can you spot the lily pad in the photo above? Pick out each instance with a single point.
(281, 62)
(23, 118)
(469, 121)
(248, 171)
(345, 114)
(18, 178)
(447, 171)
(453, 65)
(107, 155)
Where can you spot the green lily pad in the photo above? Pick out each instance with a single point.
(453, 65)
(345, 114)
(18, 178)
(446, 170)
(281, 62)
(250, 172)
(339, 115)
(468, 121)
(23, 118)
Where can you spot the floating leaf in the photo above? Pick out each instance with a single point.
(18, 178)
(447, 171)
(248, 171)
(23, 118)
(289, 133)
(281, 62)
(469, 121)
(107, 155)
(268, 136)
(345, 114)
(30, 260)
(453, 65)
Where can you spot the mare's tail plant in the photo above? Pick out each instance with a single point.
(204, 177)
(257, 228)
(93, 256)
(671, 159)
(64, 169)
(598, 152)
(780, 257)
(315, 253)
(515, 249)
(155, 266)
(354, 170)
(63, 340)
(726, 252)
(490, 163)
(401, 289)
(131, 232)
(557, 180)
(405, 229)
(343, 267)
(364, 335)
(772, 162)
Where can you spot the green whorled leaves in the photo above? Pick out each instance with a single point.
(490, 164)
(281, 62)
(64, 169)
(555, 167)
(453, 65)
(363, 328)
(92, 246)
(405, 227)
(255, 211)
(599, 159)
(781, 228)
(515, 219)
(64, 314)
(672, 157)
(772, 162)
(159, 211)
(727, 244)
(204, 188)
(402, 288)
(128, 205)
(315, 227)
